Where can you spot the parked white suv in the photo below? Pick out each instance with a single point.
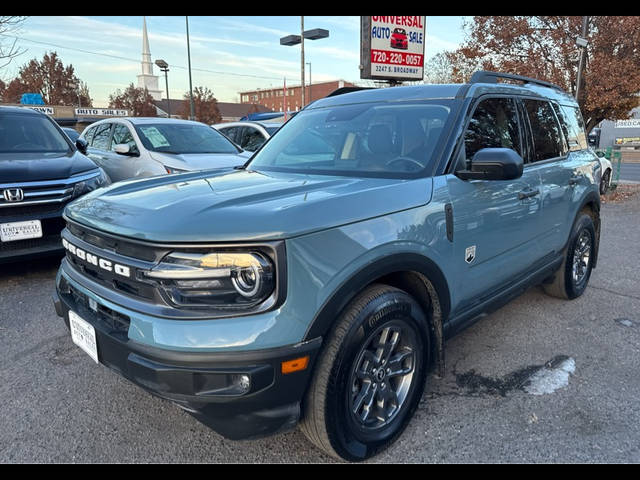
(141, 147)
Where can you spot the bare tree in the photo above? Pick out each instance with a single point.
(9, 48)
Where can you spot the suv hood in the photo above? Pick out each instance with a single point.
(32, 167)
(241, 205)
(200, 161)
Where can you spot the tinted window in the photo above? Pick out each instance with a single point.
(572, 127)
(88, 136)
(251, 139)
(183, 138)
(547, 139)
(101, 137)
(494, 125)
(372, 139)
(231, 132)
(122, 135)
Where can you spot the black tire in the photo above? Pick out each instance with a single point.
(571, 279)
(604, 182)
(336, 417)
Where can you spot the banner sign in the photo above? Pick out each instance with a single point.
(392, 47)
(47, 110)
(101, 112)
(628, 141)
(632, 123)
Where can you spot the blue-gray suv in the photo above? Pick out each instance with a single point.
(317, 284)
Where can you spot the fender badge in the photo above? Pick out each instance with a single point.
(470, 254)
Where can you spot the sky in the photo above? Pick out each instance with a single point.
(228, 54)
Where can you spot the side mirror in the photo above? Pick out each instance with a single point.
(123, 149)
(493, 164)
(82, 145)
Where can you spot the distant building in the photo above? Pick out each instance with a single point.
(623, 135)
(230, 112)
(273, 98)
(147, 79)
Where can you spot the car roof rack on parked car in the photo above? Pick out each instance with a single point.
(484, 76)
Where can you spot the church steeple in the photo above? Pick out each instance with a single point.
(147, 79)
(147, 66)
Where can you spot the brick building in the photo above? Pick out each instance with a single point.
(273, 98)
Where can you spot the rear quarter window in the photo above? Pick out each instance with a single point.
(572, 126)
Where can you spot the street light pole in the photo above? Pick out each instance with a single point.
(582, 42)
(192, 106)
(164, 67)
(290, 40)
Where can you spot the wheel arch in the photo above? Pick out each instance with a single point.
(419, 276)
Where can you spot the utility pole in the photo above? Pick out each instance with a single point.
(582, 42)
(302, 60)
(192, 106)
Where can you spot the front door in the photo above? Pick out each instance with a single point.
(494, 221)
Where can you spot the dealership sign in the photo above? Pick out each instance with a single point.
(392, 47)
(101, 112)
(47, 110)
(632, 123)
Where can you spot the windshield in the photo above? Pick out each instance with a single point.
(380, 139)
(184, 138)
(26, 133)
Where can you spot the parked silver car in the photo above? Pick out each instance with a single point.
(141, 147)
(248, 135)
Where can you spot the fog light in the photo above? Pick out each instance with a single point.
(243, 382)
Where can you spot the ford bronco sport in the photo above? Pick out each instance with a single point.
(318, 283)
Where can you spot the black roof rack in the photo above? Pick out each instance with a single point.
(484, 76)
(342, 90)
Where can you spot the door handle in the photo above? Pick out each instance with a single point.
(528, 194)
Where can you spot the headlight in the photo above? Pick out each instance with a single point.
(86, 186)
(225, 280)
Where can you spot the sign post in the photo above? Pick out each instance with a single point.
(392, 47)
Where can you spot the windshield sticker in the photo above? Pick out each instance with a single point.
(155, 137)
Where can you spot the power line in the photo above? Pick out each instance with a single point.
(137, 60)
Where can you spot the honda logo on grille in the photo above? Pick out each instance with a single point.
(13, 195)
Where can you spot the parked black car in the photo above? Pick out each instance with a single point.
(41, 170)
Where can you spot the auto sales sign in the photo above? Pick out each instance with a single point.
(392, 47)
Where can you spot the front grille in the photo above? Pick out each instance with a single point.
(42, 192)
(115, 323)
(29, 212)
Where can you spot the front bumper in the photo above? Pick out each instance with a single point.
(209, 385)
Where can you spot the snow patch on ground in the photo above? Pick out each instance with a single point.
(549, 379)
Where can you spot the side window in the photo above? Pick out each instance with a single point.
(494, 125)
(231, 133)
(572, 126)
(89, 135)
(252, 139)
(545, 130)
(122, 134)
(102, 137)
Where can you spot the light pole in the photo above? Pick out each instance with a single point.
(310, 85)
(290, 40)
(582, 42)
(191, 105)
(164, 67)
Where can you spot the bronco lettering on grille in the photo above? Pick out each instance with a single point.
(103, 263)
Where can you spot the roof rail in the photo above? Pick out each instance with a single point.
(484, 76)
(342, 90)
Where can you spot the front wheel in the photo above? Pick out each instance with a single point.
(571, 279)
(604, 182)
(370, 377)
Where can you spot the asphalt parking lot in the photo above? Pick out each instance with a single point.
(59, 406)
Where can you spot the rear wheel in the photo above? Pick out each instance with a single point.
(571, 279)
(370, 377)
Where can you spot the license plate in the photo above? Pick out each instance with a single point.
(10, 232)
(84, 335)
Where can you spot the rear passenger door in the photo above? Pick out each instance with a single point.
(548, 156)
(494, 221)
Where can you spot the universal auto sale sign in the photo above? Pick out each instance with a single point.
(392, 47)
